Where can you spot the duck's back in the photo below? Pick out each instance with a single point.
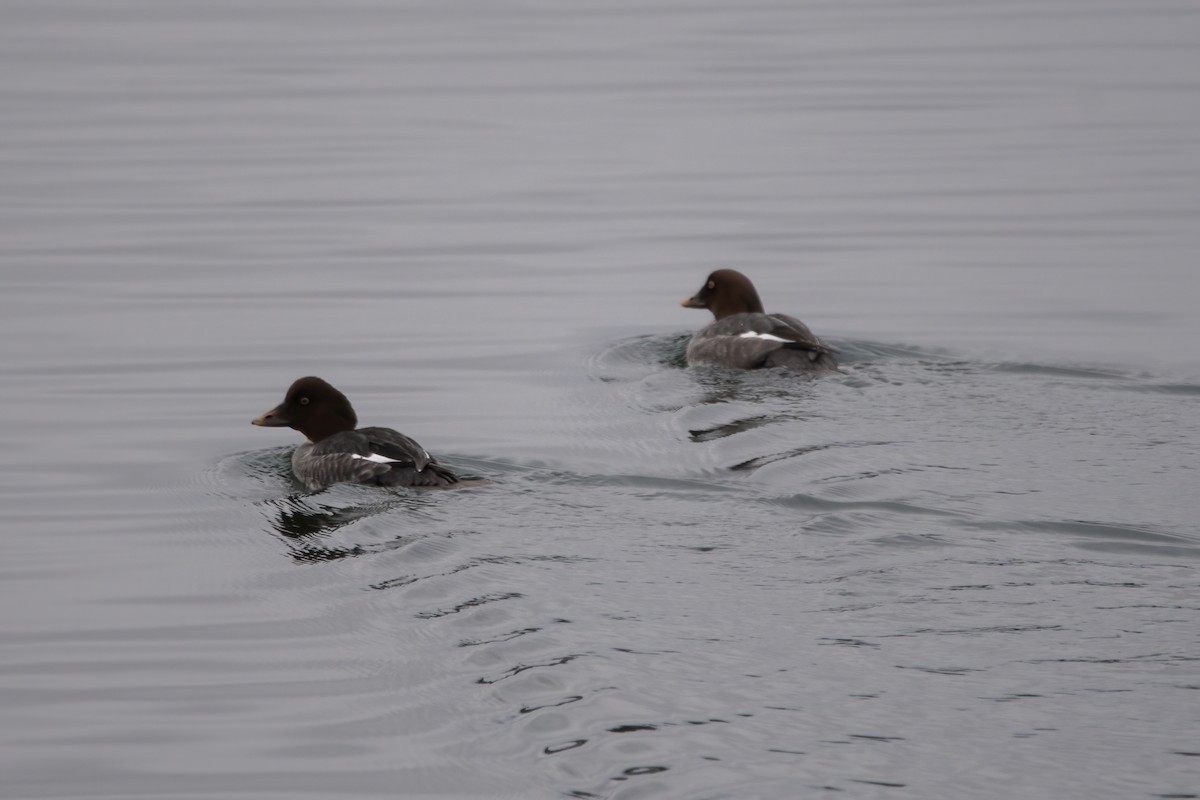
(374, 456)
(753, 340)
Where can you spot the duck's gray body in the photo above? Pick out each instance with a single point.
(754, 341)
(376, 456)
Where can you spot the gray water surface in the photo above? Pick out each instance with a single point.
(967, 567)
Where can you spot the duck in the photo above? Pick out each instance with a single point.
(337, 451)
(744, 336)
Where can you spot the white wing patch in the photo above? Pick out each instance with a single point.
(378, 459)
(768, 337)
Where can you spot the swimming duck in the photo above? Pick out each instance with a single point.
(746, 337)
(337, 452)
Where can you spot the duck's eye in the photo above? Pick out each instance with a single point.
(712, 284)
(303, 401)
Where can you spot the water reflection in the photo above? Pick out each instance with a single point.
(305, 527)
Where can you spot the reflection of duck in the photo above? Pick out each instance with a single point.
(744, 336)
(306, 528)
(337, 452)
(296, 519)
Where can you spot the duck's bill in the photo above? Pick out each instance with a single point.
(272, 419)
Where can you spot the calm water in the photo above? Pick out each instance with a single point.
(966, 568)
